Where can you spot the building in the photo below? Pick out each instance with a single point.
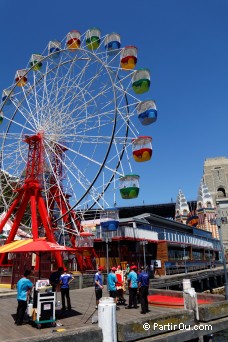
(216, 178)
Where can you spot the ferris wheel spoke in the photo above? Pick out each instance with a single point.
(81, 103)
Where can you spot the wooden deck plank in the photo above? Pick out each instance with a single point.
(83, 307)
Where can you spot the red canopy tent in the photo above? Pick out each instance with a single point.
(38, 246)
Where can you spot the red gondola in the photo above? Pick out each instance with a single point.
(128, 57)
(21, 77)
(142, 149)
(73, 40)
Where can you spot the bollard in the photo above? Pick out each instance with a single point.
(190, 301)
(107, 319)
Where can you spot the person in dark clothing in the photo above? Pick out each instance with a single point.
(24, 286)
(54, 278)
(143, 280)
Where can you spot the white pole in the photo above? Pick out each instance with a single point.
(107, 319)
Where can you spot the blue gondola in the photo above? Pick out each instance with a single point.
(112, 43)
(147, 112)
(109, 219)
(54, 47)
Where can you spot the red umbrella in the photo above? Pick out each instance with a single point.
(37, 246)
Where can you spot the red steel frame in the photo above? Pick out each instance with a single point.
(30, 192)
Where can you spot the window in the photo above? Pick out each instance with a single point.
(221, 193)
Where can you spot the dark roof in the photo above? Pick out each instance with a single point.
(166, 210)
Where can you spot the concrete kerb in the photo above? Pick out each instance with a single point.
(80, 335)
(209, 312)
(148, 326)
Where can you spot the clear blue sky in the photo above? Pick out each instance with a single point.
(182, 42)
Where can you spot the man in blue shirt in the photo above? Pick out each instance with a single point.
(98, 282)
(112, 280)
(24, 286)
(133, 287)
(65, 279)
(143, 280)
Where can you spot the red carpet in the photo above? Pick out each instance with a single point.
(168, 301)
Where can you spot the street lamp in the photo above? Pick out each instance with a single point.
(144, 243)
(107, 240)
(219, 223)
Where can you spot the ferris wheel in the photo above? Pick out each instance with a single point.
(79, 100)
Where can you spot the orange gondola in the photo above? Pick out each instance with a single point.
(128, 57)
(142, 149)
(21, 77)
(73, 40)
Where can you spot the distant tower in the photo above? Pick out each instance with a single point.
(181, 208)
(216, 178)
(206, 211)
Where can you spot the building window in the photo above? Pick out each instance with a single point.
(209, 205)
(221, 193)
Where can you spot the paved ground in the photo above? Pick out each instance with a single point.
(83, 308)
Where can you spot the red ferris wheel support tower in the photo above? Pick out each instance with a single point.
(57, 195)
(30, 192)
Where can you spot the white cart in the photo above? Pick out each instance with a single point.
(43, 305)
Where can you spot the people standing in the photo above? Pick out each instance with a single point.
(65, 280)
(24, 287)
(55, 278)
(143, 280)
(133, 288)
(98, 282)
(112, 280)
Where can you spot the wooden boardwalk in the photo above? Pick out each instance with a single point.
(83, 308)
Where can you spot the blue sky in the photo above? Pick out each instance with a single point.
(182, 42)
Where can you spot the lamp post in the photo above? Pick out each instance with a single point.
(144, 243)
(219, 223)
(185, 265)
